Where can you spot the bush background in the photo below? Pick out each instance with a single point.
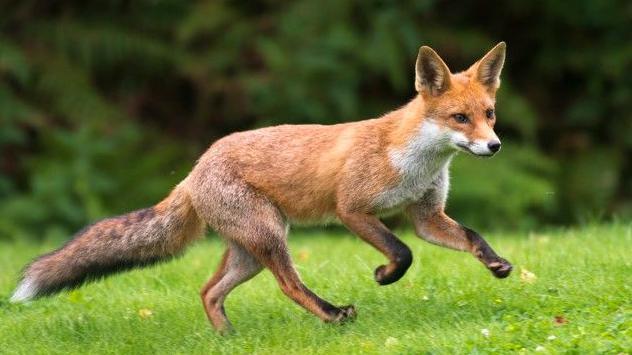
(104, 106)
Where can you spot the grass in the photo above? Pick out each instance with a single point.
(579, 302)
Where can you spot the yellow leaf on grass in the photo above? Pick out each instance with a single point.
(391, 341)
(527, 276)
(145, 313)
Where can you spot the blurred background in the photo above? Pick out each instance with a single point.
(106, 105)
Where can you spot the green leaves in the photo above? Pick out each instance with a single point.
(13, 63)
(101, 46)
(106, 82)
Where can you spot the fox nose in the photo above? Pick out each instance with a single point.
(494, 146)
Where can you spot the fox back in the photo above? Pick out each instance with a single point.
(376, 165)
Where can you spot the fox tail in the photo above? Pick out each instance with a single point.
(116, 244)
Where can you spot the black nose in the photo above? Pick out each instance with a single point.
(494, 146)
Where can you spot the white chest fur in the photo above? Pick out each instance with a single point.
(422, 164)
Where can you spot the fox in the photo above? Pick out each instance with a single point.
(250, 186)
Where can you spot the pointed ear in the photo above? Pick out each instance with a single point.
(487, 70)
(432, 76)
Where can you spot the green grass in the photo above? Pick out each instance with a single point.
(442, 305)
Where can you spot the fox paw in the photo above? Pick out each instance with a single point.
(500, 268)
(346, 313)
(386, 274)
(381, 276)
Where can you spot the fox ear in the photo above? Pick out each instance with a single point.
(489, 67)
(432, 75)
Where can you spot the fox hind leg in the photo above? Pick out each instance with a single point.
(256, 232)
(266, 241)
(277, 259)
(237, 266)
(264, 235)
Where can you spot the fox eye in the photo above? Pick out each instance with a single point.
(461, 118)
(489, 113)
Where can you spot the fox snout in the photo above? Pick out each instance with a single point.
(494, 146)
(485, 148)
(481, 147)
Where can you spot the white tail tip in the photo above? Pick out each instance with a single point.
(26, 290)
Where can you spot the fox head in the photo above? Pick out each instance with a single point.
(462, 104)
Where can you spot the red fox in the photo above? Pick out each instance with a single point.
(250, 186)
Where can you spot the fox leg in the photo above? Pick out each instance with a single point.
(438, 228)
(276, 258)
(374, 232)
(264, 235)
(248, 219)
(267, 243)
(236, 267)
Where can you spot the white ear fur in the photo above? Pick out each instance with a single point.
(431, 73)
(490, 66)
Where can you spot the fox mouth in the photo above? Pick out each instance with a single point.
(466, 148)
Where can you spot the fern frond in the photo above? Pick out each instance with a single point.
(13, 62)
(68, 91)
(98, 46)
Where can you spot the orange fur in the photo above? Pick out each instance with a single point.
(249, 186)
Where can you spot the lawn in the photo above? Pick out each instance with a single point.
(575, 295)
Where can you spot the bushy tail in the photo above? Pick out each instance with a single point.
(115, 244)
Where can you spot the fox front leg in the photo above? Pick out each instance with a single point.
(500, 267)
(374, 232)
(437, 228)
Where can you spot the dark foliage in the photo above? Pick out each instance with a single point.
(105, 105)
